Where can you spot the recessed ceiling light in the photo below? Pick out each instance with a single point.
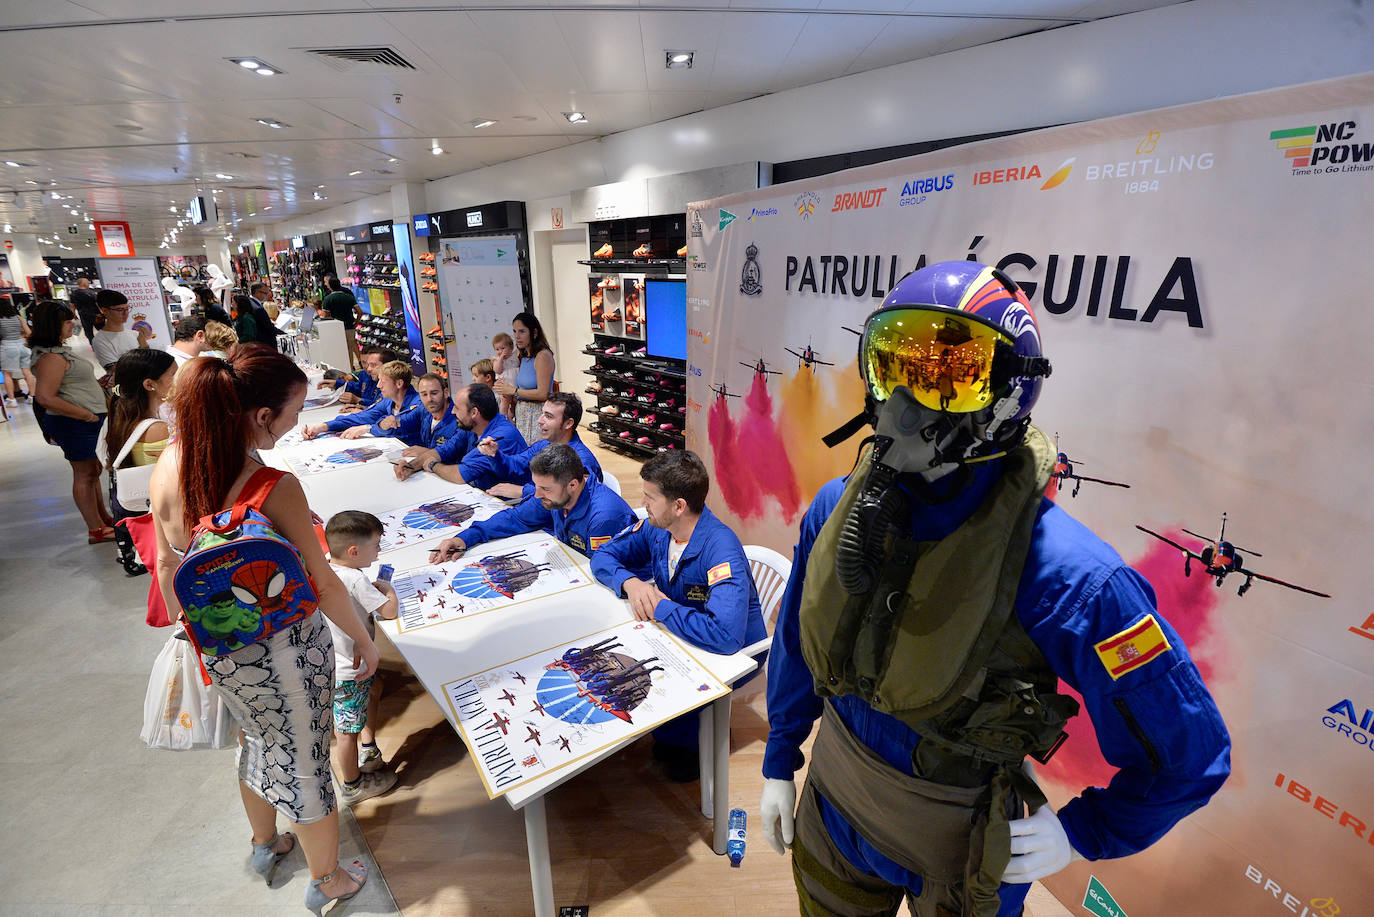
(356, 172)
(271, 122)
(11, 163)
(247, 63)
(575, 117)
(264, 71)
(172, 209)
(678, 60)
(222, 177)
(30, 181)
(437, 151)
(524, 118)
(321, 187)
(268, 207)
(482, 122)
(389, 159)
(260, 67)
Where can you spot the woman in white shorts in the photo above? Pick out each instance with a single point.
(14, 353)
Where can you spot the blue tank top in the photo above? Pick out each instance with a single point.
(527, 378)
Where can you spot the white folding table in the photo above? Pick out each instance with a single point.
(457, 648)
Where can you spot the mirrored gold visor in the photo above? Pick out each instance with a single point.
(944, 357)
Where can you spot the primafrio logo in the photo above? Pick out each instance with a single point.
(806, 204)
(757, 214)
(1318, 148)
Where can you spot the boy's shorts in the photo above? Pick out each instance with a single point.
(350, 705)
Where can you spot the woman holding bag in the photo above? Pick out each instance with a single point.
(134, 438)
(279, 689)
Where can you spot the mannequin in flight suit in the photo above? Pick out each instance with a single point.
(936, 598)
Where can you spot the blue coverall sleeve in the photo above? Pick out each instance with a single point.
(1156, 722)
(476, 469)
(366, 417)
(457, 446)
(607, 522)
(629, 554)
(719, 625)
(412, 427)
(529, 516)
(793, 706)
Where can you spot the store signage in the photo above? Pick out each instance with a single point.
(474, 218)
(556, 215)
(421, 225)
(381, 229)
(298, 241)
(116, 241)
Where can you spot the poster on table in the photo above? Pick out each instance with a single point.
(487, 580)
(535, 715)
(341, 453)
(479, 283)
(138, 279)
(1197, 275)
(437, 518)
(321, 399)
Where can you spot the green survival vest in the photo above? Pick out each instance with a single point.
(936, 644)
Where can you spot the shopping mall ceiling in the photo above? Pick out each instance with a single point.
(122, 109)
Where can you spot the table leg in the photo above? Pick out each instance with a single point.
(541, 871)
(720, 711)
(706, 752)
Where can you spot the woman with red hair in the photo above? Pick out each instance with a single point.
(280, 689)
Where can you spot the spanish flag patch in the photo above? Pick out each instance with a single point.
(599, 540)
(1133, 647)
(718, 573)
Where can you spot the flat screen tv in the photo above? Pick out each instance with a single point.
(665, 318)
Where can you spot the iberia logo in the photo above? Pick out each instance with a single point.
(1060, 174)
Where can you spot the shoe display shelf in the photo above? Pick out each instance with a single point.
(650, 244)
(636, 397)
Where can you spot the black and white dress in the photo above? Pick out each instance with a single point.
(281, 691)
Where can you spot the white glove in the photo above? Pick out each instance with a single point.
(1039, 847)
(776, 808)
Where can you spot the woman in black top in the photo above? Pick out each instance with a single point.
(210, 306)
(341, 305)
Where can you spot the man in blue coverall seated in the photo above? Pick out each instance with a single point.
(687, 570)
(558, 424)
(918, 781)
(568, 503)
(399, 406)
(361, 391)
(435, 425)
(475, 411)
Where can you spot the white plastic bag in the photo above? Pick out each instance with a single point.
(179, 710)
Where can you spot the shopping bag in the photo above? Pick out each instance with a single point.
(145, 543)
(179, 711)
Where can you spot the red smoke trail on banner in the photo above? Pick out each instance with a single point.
(1190, 605)
(750, 458)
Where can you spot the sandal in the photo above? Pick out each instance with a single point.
(316, 899)
(100, 535)
(267, 856)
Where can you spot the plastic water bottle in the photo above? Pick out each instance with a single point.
(734, 844)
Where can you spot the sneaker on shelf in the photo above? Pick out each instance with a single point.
(644, 441)
(648, 420)
(631, 414)
(682, 252)
(610, 410)
(667, 428)
(667, 448)
(626, 393)
(667, 404)
(597, 367)
(613, 316)
(604, 251)
(594, 388)
(647, 398)
(643, 251)
(609, 283)
(613, 350)
(368, 785)
(641, 352)
(370, 759)
(626, 434)
(435, 332)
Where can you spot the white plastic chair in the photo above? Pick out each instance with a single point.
(609, 480)
(770, 572)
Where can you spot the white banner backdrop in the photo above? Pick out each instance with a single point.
(1199, 276)
(138, 279)
(479, 285)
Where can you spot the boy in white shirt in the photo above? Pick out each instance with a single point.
(354, 540)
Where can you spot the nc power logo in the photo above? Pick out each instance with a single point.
(1321, 148)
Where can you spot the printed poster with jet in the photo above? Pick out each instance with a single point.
(342, 453)
(437, 518)
(487, 580)
(535, 715)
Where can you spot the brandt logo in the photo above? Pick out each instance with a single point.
(858, 200)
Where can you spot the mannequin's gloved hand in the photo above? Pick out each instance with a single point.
(776, 808)
(1039, 847)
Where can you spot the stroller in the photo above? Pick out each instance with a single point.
(128, 556)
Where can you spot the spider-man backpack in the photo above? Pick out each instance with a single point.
(241, 581)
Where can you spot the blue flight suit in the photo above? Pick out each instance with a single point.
(410, 405)
(515, 467)
(1075, 591)
(477, 468)
(597, 516)
(365, 387)
(711, 601)
(421, 429)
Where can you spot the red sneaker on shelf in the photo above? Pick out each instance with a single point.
(604, 251)
(626, 434)
(643, 251)
(667, 428)
(682, 252)
(609, 283)
(644, 441)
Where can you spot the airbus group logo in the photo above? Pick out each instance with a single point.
(806, 204)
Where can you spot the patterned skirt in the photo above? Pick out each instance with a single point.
(281, 690)
(527, 420)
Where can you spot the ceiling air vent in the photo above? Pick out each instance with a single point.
(347, 58)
